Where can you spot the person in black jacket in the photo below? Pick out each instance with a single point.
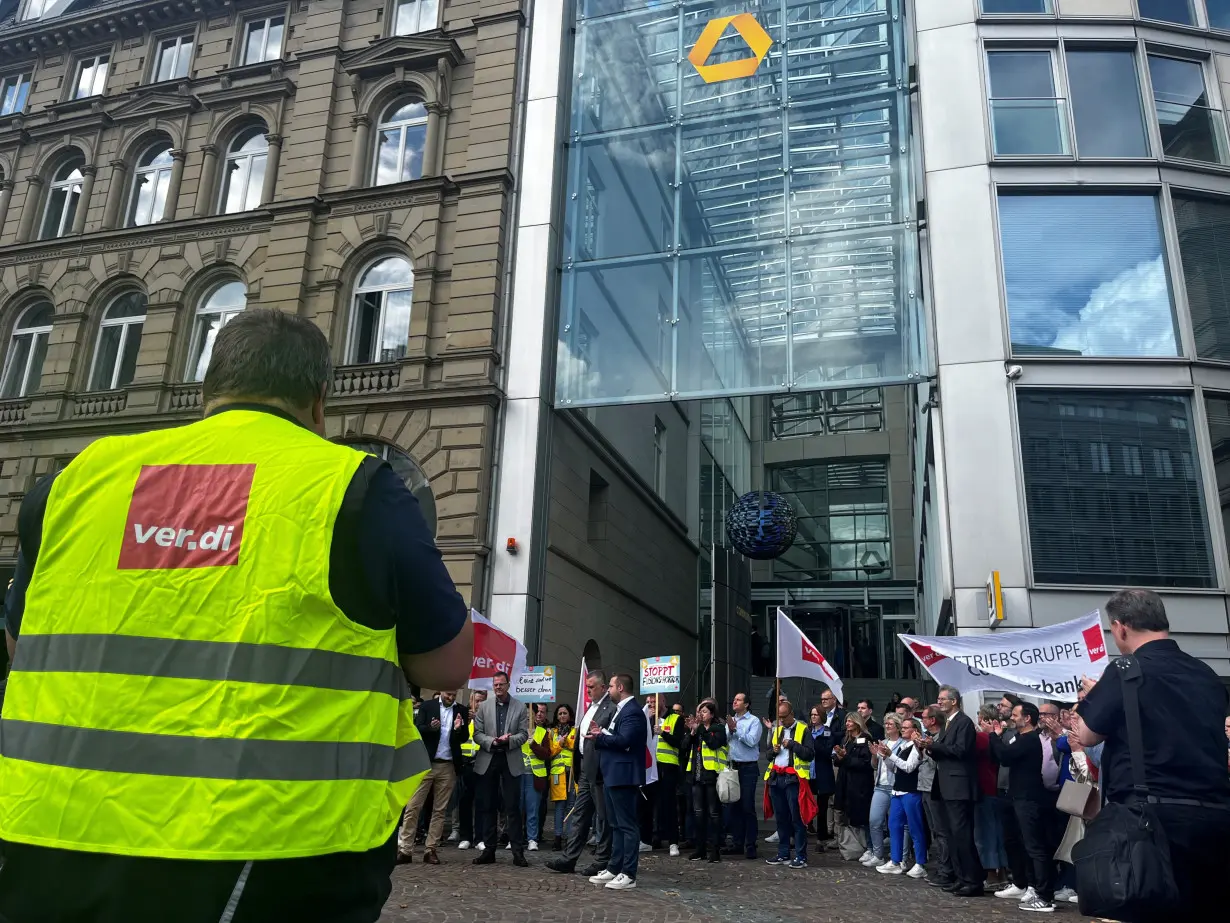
(955, 752)
(671, 732)
(827, 729)
(855, 779)
(708, 738)
(1022, 755)
(443, 725)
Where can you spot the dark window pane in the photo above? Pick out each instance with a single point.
(104, 362)
(1204, 227)
(1219, 13)
(1106, 104)
(1218, 409)
(1016, 6)
(1086, 276)
(1189, 127)
(128, 361)
(1179, 11)
(1097, 522)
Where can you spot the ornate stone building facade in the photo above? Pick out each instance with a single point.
(166, 163)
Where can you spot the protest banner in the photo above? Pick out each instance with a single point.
(494, 651)
(1041, 662)
(536, 684)
(661, 674)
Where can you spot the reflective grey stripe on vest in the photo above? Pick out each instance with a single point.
(176, 658)
(209, 757)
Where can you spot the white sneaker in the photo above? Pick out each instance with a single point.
(1029, 897)
(1064, 895)
(620, 883)
(645, 847)
(1011, 892)
(1074, 899)
(454, 836)
(890, 868)
(869, 859)
(865, 856)
(464, 844)
(532, 847)
(917, 871)
(674, 851)
(508, 848)
(771, 838)
(481, 847)
(602, 877)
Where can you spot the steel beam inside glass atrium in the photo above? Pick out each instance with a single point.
(745, 235)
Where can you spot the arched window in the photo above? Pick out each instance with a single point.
(244, 175)
(23, 365)
(149, 186)
(400, 141)
(222, 303)
(63, 197)
(380, 319)
(119, 340)
(406, 469)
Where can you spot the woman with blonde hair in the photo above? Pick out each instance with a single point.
(855, 785)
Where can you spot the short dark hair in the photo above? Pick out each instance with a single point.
(500, 673)
(1030, 711)
(262, 353)
(1013, 700)
(626, 681)
(746, 698)
(867, 702)
(1139, 610)
(601, 674)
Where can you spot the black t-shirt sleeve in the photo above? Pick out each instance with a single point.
(29, 536)
(1102, 707)
(402, 568)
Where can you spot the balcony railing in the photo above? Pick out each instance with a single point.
(99, 404)
(366, 379)
(184, 397)
(13, 411)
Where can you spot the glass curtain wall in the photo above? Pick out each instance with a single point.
(737, 219)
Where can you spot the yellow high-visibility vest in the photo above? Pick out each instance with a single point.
(714, 760)
(470, 748)
(562, 760)
(184, 685)
(668, 755)
(532, 762)
(802, 767)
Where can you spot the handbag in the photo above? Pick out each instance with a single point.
(1079, 799)
(1123, 866)
(728, 786)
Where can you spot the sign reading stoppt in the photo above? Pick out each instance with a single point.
(661, 674)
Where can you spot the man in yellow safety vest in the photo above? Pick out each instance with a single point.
(537, 753)
(213, 630)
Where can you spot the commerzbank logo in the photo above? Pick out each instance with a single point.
(758, 42)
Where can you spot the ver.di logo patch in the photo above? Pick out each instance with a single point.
(186, 516)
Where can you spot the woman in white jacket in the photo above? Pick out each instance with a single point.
(906, 805)
(882, 796)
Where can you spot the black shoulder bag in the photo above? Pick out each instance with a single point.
(1123, 868)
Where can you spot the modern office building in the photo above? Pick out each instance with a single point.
(163, 165)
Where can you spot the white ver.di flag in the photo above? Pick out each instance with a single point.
(1041, 662)
(797, 656)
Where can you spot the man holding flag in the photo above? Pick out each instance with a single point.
(787, 792)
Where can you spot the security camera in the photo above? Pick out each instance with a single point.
(1014, 372)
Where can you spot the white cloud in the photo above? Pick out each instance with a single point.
(1128, 315)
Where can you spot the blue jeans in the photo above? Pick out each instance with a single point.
(907, 809)
(743, 826)
(785, 796)
(878, 820)
(989, 834)
(530, 801)
(561, 811)
(625, 831)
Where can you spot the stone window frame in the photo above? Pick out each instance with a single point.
(147, 142)
(52, 165)
(225, 142)
(17, 308)
(369, 259)
(379, 96)
(390, 18)
(403, 98)
(156, 39)
(68, 92)
(106, 300)
(239, 45)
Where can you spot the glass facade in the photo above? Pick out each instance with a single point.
(737, 221)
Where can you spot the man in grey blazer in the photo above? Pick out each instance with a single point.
(591, 799)
(501, 726)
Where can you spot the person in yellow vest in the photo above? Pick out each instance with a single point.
(537, 755)
(710, 756)
(563, 741)
(214, 629)
(467, 782)
(671, 729)
(788, 794)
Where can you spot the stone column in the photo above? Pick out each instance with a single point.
(361, 156)
(271, 168)
(6, 196)
(431, 143)
(34, 199)
(115, 194)
(206, 194)
(177, 179)
(83, 204)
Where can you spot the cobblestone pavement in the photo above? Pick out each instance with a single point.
(678, 891)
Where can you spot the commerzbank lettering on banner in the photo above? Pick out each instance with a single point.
(1046, 661)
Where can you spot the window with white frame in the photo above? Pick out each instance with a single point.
(119, 341)
(91, 76)
(262, 39)
(244, 174)
(150, 182)
(14, 91)
(401, 140)
(215, 312)
(63, 198)
(411, 16)
(380, 316)
(1191, 127)
(1028, 117)
(174, 58)
(42, 9)
(23, 363)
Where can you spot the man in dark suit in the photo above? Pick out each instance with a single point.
(442, 723)
(590, 801)
(867, 712)
(622, 754)
(501, 726)
(954, 751)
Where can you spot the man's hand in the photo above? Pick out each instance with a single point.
(767, 724)
(457, 722)
(593, 732)
(730, 723)
(1087, 684)
(435, 724)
